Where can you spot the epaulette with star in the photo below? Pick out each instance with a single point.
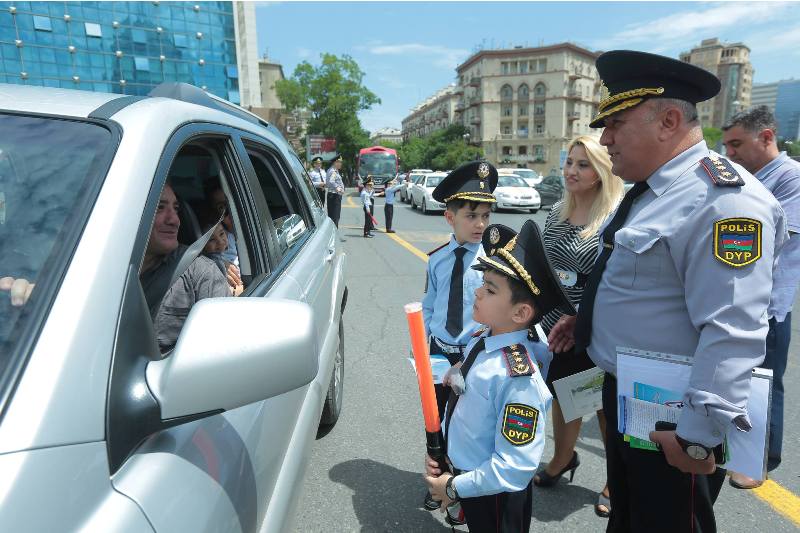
(721, 172)
(437, 249)
(518, 361)
(479, 332)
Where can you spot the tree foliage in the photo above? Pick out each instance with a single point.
(712, 136)
(441, 150)
(334, 93)
(792, 148)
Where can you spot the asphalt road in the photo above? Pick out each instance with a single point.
(365, 475)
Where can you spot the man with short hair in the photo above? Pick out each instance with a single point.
(317, 175)
(202, 279)
(685, 268)
(750, 140)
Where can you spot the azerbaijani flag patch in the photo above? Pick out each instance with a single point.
(737, 241)
(519, 423)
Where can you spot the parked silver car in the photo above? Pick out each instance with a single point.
(422, 190)
(100, 430)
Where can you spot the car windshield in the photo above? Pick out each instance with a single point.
(49, 170)
(378, 164)
(511, 181)
(525, 173)
(433, 181)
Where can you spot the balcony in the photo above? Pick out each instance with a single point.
(475, 81)
(474, 100)
(573, 115)
(460, 106)
(475, 120)
(574, 93)
(458, 89)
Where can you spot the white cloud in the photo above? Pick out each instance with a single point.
(440, 55)
(683, 28)
(303, 53)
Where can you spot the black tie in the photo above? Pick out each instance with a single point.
(452, 399)
(455, 300)
(583, 326)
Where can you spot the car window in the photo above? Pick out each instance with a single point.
(279, 189)
(302, 174)
(433, 181)
(50, 171)
(510, 181)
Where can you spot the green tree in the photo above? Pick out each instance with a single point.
(441, 150)
(791, 147)
(712, 136)
(334, 93)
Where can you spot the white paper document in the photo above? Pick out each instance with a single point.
(439, 367)
(662, 379)
(641, 417)
(580, 394)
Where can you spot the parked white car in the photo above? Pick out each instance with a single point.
(405, 192)
(421, 192)
(513, 193)
(530, 176)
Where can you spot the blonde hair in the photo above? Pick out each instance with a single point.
(610, 192)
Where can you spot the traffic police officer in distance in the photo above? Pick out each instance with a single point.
(318, 177)
(335, 187)
(685, 268)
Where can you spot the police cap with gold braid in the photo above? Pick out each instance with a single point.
(337, 157)
(522, 257)
(474, 181)
(628, 78)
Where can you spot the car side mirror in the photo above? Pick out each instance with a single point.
(235, 351)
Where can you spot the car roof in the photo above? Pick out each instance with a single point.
(171, 103)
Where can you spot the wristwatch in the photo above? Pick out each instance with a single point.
(450, 490)
(693, 450)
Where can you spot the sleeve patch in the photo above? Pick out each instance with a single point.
(519, 423)
(721, 172)
(518, 361)
(737, 241)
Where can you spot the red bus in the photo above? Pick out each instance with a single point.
(379, 162)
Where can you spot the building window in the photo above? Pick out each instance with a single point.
(233, 96)
(522, 92)
(523, 132)
(180, 40)
(142, 64)
(92, 29)
(507, 110)
(513, 67)
(523, 67)
(538, 110)
(507, 129)
(506, 92)
(42, 23)
(232, 72)
(538, 151)
(139, 36)
(523, 110)
(504, 68)
(506, 150)
(522, 150)
(539, 90)
(540, 128)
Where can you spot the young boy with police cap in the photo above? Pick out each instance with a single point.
(449, 282)
(495, 423)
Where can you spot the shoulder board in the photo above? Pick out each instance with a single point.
(721, 172)
(437, 249)
(518, 361)
(479, 332)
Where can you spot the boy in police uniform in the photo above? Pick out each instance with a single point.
(449, 282)
(318, 176)
(495, 428)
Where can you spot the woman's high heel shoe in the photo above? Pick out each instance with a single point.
(546, 480)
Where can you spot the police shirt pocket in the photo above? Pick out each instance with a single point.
(640, 254)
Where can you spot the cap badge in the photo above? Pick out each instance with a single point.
(483, 171)
(494, 235)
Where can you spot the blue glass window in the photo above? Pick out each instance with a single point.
(181, 40)
(139, 36)
(42, 23)
(142, 64)
(92, 29)
(231, 71)
(233, 96)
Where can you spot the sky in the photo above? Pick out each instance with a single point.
(409, 50)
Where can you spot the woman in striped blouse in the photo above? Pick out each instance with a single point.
(571, 239)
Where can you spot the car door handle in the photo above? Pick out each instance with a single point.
(329, 256)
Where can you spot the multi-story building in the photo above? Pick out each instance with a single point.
(764, 94)
(436, 113)
(130, 47)
(787, 109)
(524, 105)
(730, 62)
(384, 135)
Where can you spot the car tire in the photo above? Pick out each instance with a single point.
(333, 401)
(413, 205)
(424, 207)
(533, 211)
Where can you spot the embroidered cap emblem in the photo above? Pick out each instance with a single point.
(737, 241)
(519, 423)
(483, 170)
(494, 236)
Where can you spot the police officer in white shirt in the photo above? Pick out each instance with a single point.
(318, 176)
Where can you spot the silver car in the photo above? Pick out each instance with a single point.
(422, 190)
(100, 430)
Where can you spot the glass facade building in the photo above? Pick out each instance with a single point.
(119, 47)
(787, 109)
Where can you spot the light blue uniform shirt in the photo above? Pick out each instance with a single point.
(317, 177)
(477, 443)
(390, 191)
(781, 177)
(663, 289)
(437, 293)
(366, 198)
(333, 181)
